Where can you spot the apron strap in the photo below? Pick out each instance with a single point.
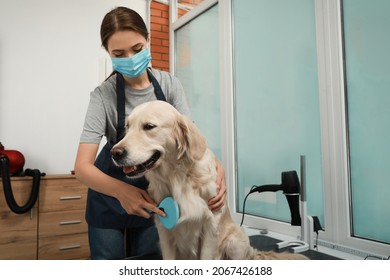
(157, 88)
(120, 106)
(121, 100)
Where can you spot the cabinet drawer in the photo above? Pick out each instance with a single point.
(66, 247)
(62, 194)
(60, 223)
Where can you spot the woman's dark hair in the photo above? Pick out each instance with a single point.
(120, 19)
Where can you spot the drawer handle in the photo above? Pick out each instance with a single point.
(71, 247)
(70, 197)
(70, 223)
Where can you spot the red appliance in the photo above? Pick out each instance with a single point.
(16, 160)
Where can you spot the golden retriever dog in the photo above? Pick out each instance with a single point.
(170, 151)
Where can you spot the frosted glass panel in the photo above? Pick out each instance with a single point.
(367, 45)
(277, 101)
(197, 68)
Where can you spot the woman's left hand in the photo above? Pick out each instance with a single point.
(218, 201)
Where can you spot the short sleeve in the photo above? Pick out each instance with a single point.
(95, 120)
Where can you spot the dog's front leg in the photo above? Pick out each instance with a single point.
(167, 249)
(209, 249)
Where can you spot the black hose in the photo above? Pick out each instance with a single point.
(9, 196)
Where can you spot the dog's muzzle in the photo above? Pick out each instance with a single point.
(119, 156)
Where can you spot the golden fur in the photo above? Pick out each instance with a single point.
(185, 170)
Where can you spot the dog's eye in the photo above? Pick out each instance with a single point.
(149, 126)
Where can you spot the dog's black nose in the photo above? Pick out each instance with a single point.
(118, 153)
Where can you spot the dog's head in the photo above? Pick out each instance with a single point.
(157, 132)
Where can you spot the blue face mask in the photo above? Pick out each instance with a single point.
(132, 66)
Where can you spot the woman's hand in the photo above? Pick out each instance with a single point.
(137, 202)
(218, 201)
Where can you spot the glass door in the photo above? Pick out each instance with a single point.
(197, 66)
(276, 102)
(367, 79)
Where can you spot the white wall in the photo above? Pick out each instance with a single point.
(49, 63)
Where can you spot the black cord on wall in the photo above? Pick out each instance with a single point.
(243, 206)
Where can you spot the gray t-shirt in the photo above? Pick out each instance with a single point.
(101, 117)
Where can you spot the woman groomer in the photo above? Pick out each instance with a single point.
(118, 224)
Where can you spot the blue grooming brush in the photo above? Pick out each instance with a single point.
(171, 209)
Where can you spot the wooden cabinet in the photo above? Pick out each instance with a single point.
(18, 232)
(56, 227)
(62, 227)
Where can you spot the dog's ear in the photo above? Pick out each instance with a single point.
(190, 142)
